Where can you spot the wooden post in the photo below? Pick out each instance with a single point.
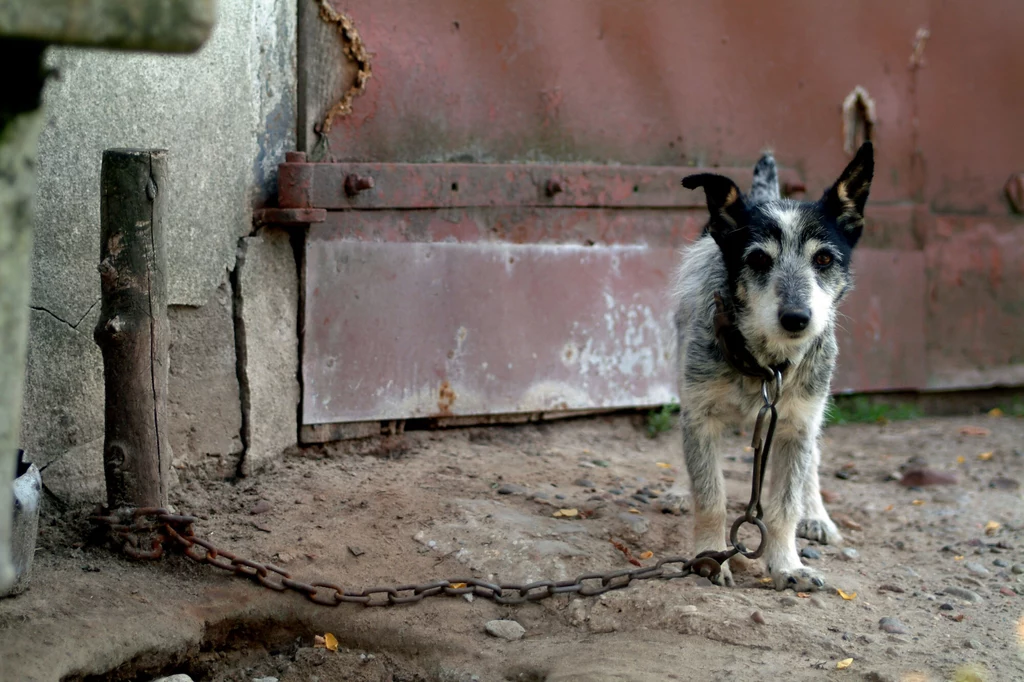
(132, 331)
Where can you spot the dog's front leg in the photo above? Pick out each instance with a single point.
(792, 462)
(701, 437)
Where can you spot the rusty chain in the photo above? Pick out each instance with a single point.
(146, 532)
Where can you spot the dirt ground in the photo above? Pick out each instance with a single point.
(945, 561)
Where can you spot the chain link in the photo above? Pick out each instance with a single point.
(145, 533)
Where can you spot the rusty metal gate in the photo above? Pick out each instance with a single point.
(492, 228)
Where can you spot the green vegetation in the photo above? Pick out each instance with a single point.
(860, 409)
(661, 419)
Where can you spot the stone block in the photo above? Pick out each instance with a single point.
(268, 308)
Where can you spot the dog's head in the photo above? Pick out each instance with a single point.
(788, 261)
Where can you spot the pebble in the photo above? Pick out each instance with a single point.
(615, 491)
(584, 483)
(849, 554)
(1007, 592)
(817, 603)
(976, 568)
(688, 610)
(1004, 483)
(893, 626)
(962, 593)
(810, 553)
(1017, 568)
(1001, 563)
(757, 617)
(261, 507)
(972, 644)
(181, 677)
(916, 478)
(505, 629)
(559, 496)
(789, 601)
(511, 489)
(946, 607)
(264, 679)
(642, 499)
(539, 495)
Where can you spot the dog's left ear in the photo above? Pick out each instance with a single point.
(728, 210)
(845, 200)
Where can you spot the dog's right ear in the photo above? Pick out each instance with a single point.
(725, 203)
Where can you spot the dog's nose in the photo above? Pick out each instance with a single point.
(794, 319)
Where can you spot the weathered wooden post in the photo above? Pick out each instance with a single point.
(132, 331)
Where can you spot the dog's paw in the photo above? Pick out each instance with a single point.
(798, 578)
(674, 501)
(822, 531)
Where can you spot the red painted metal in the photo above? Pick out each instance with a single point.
(287, 217)
(446, 329)
(462, 185)
(562, 125)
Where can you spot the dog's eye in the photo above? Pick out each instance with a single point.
(823, 259)
(759, 261)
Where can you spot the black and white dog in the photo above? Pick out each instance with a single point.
(771, 272)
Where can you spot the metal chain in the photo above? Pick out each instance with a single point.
(145, 533)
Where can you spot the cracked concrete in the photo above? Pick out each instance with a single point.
(227, 115)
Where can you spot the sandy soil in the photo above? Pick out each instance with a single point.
(944, 561)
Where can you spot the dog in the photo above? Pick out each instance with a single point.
(771, 273)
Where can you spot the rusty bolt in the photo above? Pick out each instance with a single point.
(354, 184)
(1015, 192)
(791, 188)
(553, 187)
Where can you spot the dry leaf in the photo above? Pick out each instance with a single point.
(457, 586)
(985, 456)
(634, 510)
(803, 595)
(646, 555)
(766, 581)
(663, 465)
(844, 664)
(974, 431)
(567, 513)
(961, 459)
(747, 448)
(331, 642)
(917, 503)
(991, 527)
(995, 412)
(848, 597)
(625, 550)
(847, 522)
(958, 557)
(889, 508)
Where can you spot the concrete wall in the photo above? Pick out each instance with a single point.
(227, 115)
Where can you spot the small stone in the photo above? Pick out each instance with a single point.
(945, 606)
(180, 677)
(642, 499)
(264, 679)
(1017, 568)
(647, 492)
(963, 593)
(891, 588)
(849, 554)
(918, 478)
(976, 568)
(261, 507)
(311, 656)
(973, 644)
(688, 610)
(559, 496)
(355, 551)
(893, 626)
(1004, 483)
(583, 483)
(1001, 563)
(817, 603)
(538, 495)
(505, 629)
(789, 601)
(810, 553)
(829, 497)
(511, 489)
(757, 617)
(1007, 591)
(615, 491)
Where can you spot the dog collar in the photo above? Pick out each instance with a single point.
(734, 347)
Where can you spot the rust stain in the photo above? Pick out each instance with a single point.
(445, 399)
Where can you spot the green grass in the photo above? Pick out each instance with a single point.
(860, 409)
(662, 419)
